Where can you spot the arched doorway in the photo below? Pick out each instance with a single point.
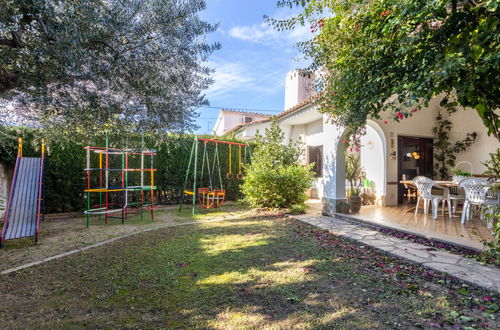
(374, 157)
(374, 161)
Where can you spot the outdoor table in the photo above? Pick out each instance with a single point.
(446, 185)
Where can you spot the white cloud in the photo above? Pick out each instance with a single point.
(251, 77)
(265, 34)
(228, 76)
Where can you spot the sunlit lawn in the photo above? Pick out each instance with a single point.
(264, 271)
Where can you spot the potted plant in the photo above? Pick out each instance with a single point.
(355, 175)
(458, 174)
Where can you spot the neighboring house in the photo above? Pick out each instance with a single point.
(229, 119)
(384, 148)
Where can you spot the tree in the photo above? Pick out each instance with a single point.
(398, 54)
(275, 178)
(91, 62)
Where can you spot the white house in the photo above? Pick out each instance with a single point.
(229, 119)
(384, 147)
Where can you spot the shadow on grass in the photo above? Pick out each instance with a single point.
(240, 273)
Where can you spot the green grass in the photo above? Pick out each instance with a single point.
(251, 272)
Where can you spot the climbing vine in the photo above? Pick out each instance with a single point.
(445, 151)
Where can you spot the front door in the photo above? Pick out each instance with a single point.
(414, 158)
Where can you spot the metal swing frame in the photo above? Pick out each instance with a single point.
(210, 197)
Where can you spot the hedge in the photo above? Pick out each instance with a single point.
(65, 161)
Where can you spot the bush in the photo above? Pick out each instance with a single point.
(276, 178)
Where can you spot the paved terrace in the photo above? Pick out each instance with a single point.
(465, 269)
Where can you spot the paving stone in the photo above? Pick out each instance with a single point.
(412, 257)
(415, 252)
(445, 258)
(465, 269)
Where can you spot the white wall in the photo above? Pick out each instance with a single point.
(421, 124)
(373, 160)
(299, 86)
(228, 120)
(314, 133)
(333, 162)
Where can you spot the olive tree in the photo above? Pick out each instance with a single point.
(92, 62)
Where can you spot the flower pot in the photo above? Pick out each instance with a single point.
(355, 203)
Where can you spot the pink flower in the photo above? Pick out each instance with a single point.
(415, 110)
(487, 298)
(400, 115)
(385, 121)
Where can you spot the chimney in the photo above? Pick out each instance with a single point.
(299, 86)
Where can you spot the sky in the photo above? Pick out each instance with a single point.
(251, 66)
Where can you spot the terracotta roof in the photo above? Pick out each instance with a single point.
(281, 114)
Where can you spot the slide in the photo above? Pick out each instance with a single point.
(23, 212)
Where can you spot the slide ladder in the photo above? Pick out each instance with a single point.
(23, 212)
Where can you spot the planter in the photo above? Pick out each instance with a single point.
(355, 203)
(458, 178)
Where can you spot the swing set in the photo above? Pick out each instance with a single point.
(214, 195)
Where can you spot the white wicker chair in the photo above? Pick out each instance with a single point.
(475, 195)
(424, 186)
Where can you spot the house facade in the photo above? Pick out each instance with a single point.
(229, 119)
(390, 151)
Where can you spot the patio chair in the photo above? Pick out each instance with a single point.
(475, 195)
(456, 196)
(424, 187)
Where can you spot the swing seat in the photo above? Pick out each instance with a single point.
(188, 192)
(211, 199)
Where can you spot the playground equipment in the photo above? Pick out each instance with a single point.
(208, 197)
(24, 206)
(114, 182)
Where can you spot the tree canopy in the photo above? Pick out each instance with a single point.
(92, 62)
(372, 51)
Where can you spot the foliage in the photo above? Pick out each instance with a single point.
(444, 151)
(276, 178)
(397, 55)
(492, 212)
(354, 173)
(90, 62)
(493, 166)
(65, 160)
(492, 252)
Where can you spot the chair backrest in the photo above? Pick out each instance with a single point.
(424, 185)
(475, 189)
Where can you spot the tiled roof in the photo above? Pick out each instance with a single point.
(281, 114)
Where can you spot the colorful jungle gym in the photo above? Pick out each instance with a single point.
(212, 196)
(119, 186)
(24, 206)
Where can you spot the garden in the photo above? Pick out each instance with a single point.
(116, 216)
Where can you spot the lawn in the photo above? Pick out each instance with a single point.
(63, 234)
(261, 270)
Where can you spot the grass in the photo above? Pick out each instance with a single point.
(60, 235)
(262, 271)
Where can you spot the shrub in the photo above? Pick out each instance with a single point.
(276, 178)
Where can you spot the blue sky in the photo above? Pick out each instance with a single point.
(254, 59)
